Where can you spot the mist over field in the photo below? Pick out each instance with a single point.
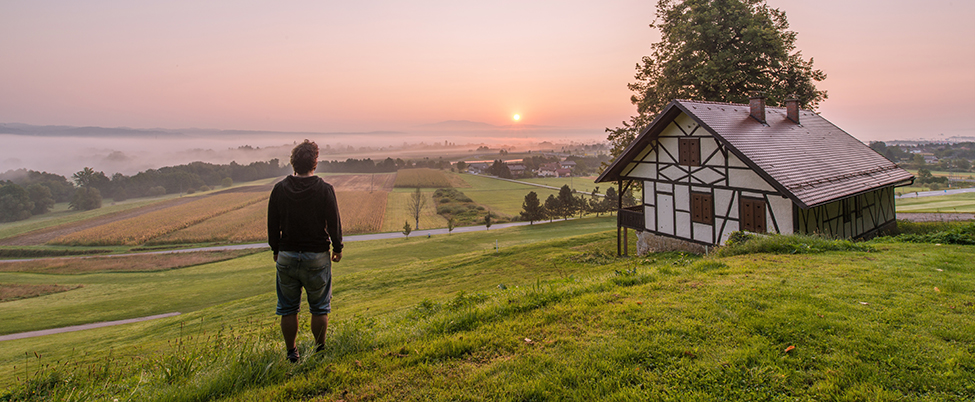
(65, 150)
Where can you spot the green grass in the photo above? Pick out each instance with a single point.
(553, 316)
(502, 197)
(961, 175)
(581, 184)
(954, 203)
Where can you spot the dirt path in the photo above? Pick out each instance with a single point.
(73, 328)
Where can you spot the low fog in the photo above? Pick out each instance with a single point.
(131, 153)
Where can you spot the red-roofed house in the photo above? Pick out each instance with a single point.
(709, 169)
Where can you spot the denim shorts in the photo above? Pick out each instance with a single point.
(310, 271)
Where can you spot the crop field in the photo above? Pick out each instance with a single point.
(9, 291)
(145, 227)
(964, 202)
(361, 182)
(247, 224)
(396, 213)
(361, 211)
(423, 178)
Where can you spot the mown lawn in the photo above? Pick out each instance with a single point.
(502, 197)
(560, 317)
(954, 203)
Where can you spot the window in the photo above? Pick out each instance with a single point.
(751, 214)
(702, 208)
(689, 150)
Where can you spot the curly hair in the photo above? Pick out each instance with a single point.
(304, 157)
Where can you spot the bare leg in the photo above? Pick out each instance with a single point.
(289, 328)
(319, 325)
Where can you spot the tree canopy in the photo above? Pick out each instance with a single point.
(718, 50)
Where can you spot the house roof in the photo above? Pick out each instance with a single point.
(812, 163)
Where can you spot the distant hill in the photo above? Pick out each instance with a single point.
(72, 131)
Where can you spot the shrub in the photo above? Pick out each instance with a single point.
(227, 182)
(85, 199)
(955, 235)
(789, 244)
(156, 191)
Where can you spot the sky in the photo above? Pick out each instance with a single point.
(896, 69)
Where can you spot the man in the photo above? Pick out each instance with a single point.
(302, 221)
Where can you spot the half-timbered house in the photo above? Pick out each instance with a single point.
(708, 169)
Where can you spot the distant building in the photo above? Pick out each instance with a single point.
(711, 169)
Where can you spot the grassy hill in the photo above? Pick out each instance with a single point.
(552, 315)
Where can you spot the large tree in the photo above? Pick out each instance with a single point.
(532, 209)
(718, 50)
(414, 205)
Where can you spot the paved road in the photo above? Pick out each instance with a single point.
(949, 191)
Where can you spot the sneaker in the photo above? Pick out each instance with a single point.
(319, 348)
(293, 355)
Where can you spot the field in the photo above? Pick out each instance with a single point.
(145, 227)
(552, 315)
(361, 211)
(954, 203)
(580, 184)
(397, 214)
(422, 178)
(361, 182)
(502, 197)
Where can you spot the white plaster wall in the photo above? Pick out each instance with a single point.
(702, 232)
(682, 195)
(650, 218)
(643, 171)
(686, 122)
(674, 173)
(708, 145)
(648, 192)
(683, 225)
(665, 214)
(665, 187)
(709, 176)
(747, 179)
(722, 199)
(782, 207)
(671, 144)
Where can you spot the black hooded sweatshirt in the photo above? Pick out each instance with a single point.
(302, 215)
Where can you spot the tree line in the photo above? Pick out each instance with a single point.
(24, 193)
(567, 204)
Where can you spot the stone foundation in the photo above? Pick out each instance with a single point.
(647, 242)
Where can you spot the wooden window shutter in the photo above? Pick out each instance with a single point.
(702, 208)
(689, 151)
(707, 208)
(752, 214)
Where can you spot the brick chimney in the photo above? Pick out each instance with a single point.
(757, 105)
(792, 108)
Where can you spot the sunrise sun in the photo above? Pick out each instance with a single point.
(516, 117)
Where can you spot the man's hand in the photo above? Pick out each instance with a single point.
(336, 257)
(275, 257)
